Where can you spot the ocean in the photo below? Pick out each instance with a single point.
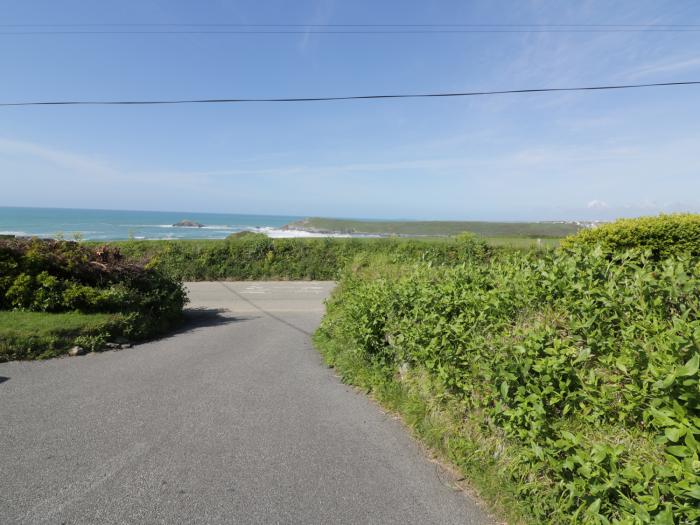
(112, 225)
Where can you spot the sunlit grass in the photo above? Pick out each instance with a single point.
(32, 335)
(41, 324)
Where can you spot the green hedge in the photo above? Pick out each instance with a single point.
(256, 256)
(663, 236)
(571, 384)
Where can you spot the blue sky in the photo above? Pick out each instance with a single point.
(520, 157)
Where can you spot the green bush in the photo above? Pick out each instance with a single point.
(92, 343)
(571, 380)
(59, 276)
(663, 236)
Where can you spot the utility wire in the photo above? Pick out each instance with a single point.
(344, 25)
(329, 99)
(348, 31)
(256, 29)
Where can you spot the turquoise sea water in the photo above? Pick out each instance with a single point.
(115, 224)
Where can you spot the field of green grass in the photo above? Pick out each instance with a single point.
(439, 228)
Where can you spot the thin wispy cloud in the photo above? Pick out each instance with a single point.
(76, 162)
(686, 65)
(519, 159)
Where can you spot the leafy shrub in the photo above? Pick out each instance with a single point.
(575, 378)
(20, 291)
(663, 236)
(61, 276)
(92, 343)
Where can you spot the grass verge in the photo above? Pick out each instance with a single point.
(41, 335)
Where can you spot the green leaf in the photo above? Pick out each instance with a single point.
(666, 382)
(569, 436)
(620, 364)
(631, 473)
(674, 434)
(690, 368)
(665, 517)
(694, 492)
(679, 450)
(594, 507)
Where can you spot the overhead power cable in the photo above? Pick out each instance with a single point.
(381, 29)
(367, 31)
(339, 98)
(172, 24)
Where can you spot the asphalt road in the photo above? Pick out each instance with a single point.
(234, 419)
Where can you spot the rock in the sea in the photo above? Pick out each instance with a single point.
(188, 224)
(76, 350)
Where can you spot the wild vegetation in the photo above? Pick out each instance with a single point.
(662, 236)
(52, 292)
(530, 230)
(251, 256)
(565, 385)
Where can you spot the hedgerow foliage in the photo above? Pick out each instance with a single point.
(663, 236)
(575, 374)
(61, 276)
(251, 256)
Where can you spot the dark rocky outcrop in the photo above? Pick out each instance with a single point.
(188, 224)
